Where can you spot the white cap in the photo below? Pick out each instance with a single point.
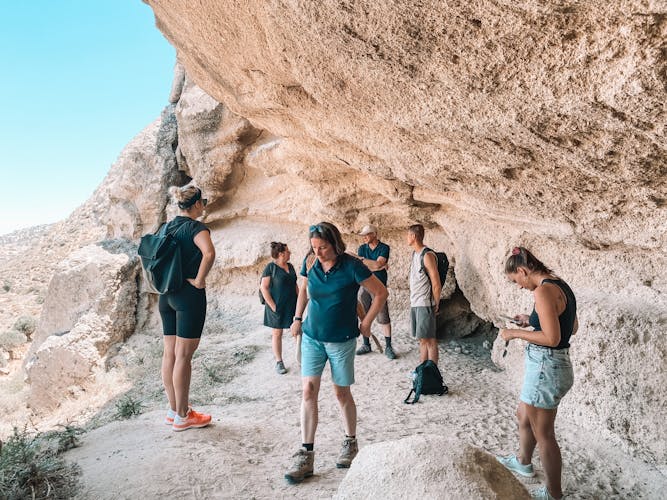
(368, 229)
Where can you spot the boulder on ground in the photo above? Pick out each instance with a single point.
(428, 467)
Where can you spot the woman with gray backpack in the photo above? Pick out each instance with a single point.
(278, 292)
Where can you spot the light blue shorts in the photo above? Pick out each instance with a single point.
(548, 376)
(314, 355)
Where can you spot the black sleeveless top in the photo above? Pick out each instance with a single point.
(566, 318)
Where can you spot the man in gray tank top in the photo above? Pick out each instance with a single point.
(425, 290)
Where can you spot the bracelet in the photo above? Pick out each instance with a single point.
(297, 318)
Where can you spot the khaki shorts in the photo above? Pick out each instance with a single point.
(365, 297)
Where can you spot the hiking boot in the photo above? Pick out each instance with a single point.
(389, 352)
(364, 349)
(542, 494)
(280, 368)
(512, 463)
(302, 467)
(192, 420)
(347, 453)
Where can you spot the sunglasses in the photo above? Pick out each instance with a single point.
(316, 229)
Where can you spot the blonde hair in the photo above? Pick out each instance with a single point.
(185, 196)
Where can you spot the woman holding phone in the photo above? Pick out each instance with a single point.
(548, 370)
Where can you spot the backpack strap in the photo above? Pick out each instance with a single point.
(407, 400)
(423, 254)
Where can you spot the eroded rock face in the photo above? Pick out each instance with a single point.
(90, 306)
(428, 467)
(495, 124)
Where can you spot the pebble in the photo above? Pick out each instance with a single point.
(457, 349)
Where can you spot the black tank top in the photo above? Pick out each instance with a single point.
(566, 318)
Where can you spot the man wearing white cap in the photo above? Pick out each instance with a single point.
(375, 254)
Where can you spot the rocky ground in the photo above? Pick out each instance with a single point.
(255, 429)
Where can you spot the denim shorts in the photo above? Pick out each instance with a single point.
(548, 376)
(314, 355)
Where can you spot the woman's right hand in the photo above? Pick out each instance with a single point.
(295, 329)
(522, 320)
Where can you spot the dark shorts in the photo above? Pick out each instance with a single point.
(183, 312)
(365, 297)
(423, 322)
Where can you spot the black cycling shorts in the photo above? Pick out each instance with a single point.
(183, 312)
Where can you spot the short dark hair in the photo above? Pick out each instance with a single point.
(329, 233)
(418, 231)
(277, 248)
(521, 257)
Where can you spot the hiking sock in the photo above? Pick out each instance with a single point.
(308, 446)
(387, 341)
(367, 341)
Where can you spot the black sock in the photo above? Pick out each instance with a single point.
(367, 341)
(308, 446)
(387, 341)
(350, 437)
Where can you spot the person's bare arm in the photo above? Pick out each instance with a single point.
(546, 308)
(380, 294)
(375, 265)
(431, 266)
(301, 302)
(265, 287)
(205, 245)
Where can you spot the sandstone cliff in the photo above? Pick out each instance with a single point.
(494, 124)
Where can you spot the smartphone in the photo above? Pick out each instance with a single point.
(511, 319)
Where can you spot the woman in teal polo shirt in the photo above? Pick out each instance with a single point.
(330, 333)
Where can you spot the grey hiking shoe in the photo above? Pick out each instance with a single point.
(512, 463)
(347, 453)
(364, 349)
(280, 367)
(389, 352)
(302, 467)
(541, 494)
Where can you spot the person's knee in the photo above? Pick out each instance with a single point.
(309, 392)
(344, 395)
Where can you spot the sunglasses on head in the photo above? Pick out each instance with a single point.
(316, 229)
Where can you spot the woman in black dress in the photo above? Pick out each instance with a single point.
(279, 289)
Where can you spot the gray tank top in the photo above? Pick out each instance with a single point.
(420, 284)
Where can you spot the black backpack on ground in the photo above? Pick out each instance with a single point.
(443, 264)
(161, 261)
(426, 380)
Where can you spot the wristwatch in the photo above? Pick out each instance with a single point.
(297, 318)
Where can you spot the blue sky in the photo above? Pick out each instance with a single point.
(81, 78)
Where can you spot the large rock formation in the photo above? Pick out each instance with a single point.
(428, 467)
(90, 306)
(495, 124)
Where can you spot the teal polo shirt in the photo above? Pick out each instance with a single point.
(332, 308)
(381, 250)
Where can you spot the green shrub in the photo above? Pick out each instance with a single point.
(25, 325)
(12, 339)
(7, 286)
(31, 467)
(128, 407)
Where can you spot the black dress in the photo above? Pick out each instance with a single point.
(283, 291)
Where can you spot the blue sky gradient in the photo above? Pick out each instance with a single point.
(81, 78)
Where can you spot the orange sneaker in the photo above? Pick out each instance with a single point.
(192, 420)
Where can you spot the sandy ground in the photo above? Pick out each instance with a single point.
(255, 429)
